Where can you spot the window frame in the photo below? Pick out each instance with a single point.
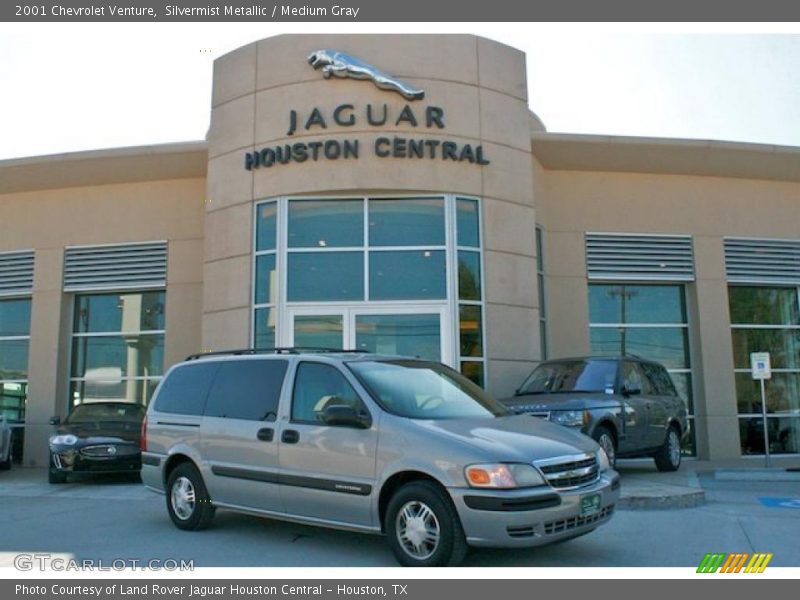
(686, 326)
(450, 302)
(296, 373)
(73, 335)
(743, 417)
(19, 338)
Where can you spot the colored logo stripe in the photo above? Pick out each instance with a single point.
(734, 562)
(758, 563)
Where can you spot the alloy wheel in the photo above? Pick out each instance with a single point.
(183, 498)
(418, 530)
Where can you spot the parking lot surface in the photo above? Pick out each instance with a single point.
(111, 518)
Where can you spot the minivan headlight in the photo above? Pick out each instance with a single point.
(602, 460)
(64, 440)
(569, 418)
(502, 475)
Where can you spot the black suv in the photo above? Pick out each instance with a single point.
(627, 404)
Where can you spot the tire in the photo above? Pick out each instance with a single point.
(423, 506)
(55, 476)
(188, 503)
(605, 438)
(668, 457)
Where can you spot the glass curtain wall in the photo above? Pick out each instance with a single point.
(767, 319)
(649, 321)
(117, 347)
(15, 323)
(542, 301)
(367, 253)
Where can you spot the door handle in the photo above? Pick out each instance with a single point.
(266, 434)
(290, 436)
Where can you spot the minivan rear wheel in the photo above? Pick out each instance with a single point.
(423, 528)
(188, 503)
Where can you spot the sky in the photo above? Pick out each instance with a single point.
(72, 87)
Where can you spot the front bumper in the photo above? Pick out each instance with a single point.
(532, 517)
(76, 460)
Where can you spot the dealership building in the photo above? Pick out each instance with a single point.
(427, 212)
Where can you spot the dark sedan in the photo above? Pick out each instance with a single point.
(100, 437)
(628, 405)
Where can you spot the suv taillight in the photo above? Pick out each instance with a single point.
(143, 435)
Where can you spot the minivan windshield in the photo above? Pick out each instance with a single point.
(597, 376)
(424, 390)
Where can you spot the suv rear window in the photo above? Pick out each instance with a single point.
(185, 389)
(247, 389)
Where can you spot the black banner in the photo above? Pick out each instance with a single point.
(401, 589)
(400, 10)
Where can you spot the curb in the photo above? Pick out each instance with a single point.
(663, 501)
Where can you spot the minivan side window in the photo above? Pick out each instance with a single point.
(185, 389)
(247, 389)
(317, 386)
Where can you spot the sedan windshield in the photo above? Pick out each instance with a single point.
(597, 376)
(424, 390)
(105, 411)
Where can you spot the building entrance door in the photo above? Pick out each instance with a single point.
(418, 331)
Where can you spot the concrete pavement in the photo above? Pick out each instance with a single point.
(113, 518)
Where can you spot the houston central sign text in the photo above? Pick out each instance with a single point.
(432, 118)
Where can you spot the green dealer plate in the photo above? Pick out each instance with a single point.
(590, 504)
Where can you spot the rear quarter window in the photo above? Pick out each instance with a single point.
(185, 389)
(661, 380)
(247, 389)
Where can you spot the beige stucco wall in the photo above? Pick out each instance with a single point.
(47, 221)
(708, 208)
(481, 86)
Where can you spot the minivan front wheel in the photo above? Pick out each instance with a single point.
(423, 527)
(188, 503)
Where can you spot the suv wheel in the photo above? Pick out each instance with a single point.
(603, 436)
(668, 457)
(423, 527)
(188, 502)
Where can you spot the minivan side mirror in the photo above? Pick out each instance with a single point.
(55, 421)
(346, 416)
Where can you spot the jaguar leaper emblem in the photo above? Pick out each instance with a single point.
(338, 64)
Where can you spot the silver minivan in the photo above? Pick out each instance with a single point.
(379, 444)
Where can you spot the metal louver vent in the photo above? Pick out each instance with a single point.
(16, 273)
(639, 257)
(115, 267)
(762, 260)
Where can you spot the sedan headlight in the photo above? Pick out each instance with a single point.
(502, 475)
(64, 440)
(570, 418)
(602, 460)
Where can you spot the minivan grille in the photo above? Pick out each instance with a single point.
(570, 471)
(576, 522)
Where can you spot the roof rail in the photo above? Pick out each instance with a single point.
(272, 350)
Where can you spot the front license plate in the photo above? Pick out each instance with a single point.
(590, 504)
